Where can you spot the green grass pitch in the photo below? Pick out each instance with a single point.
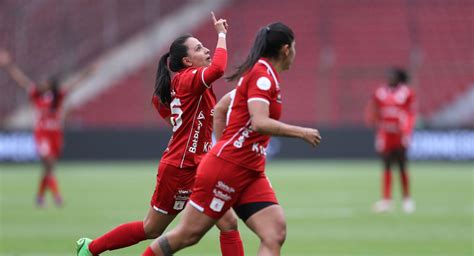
(327, 205)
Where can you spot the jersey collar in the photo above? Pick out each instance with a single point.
(271, 69)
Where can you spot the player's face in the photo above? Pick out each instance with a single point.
(392, 78)
(289, 53)
(198, 55)
(44, 86)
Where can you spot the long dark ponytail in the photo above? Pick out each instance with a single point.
(268, 43)
(163, 76)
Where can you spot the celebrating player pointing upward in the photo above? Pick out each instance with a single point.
(186, 101)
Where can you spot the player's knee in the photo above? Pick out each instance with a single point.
(227, 223)
(276, 236)
(191, 237)
(280, 234)
(151, 230)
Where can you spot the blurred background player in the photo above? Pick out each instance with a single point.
(186, 102)
(47, 98)
(232, 174)
(392, 112)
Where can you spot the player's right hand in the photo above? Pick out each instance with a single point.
(5, 59)
(311, 136)
(220, 25)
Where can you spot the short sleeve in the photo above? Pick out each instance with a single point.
(162, 109)
(260, 88)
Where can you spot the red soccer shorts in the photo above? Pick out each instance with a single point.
(388, 142)
(221, 184)
(49, 144)
(173, 188)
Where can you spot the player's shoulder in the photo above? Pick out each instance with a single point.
(261, 77)
(403, 92)
(406, 89)
(381, 92)
(188, 72)
(186, 78)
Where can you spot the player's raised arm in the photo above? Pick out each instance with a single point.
(15, 73)
(219, 60)
(220, 114)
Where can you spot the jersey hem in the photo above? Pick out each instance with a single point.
(239, 164)
(177, 165)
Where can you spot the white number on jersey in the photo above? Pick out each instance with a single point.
(176, 114)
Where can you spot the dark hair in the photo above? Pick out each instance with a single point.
(268, 43)
(163, 77)
(54, 87)
(400, 75)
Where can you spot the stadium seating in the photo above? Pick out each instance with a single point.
(343, 50)
(76, 32)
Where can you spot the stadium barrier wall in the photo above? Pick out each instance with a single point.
(149, 144)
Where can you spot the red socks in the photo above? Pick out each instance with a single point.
(48, 182)
(122, 236)
(148, 252)
(231, 244)
(53, 185)
(405, 184)
(43, 186)
(387, 185)
(131, 233)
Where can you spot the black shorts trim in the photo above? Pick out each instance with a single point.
(244, 211)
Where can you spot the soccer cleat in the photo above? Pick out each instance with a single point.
(382, 206)
(409, 205)
(82, 247)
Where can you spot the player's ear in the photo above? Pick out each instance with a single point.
(285, 50)
(187, 61)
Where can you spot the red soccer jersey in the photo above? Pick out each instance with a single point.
(162, 109)
(394, 109)
(239, 144)
(47, 118)
(192, 111)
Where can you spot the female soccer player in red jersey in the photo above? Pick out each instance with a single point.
(47, 98)
(391, 111)
(186, 101)
(232, 174)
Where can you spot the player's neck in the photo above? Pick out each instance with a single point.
(277, 65)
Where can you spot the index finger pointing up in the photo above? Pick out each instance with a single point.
(214, 17)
